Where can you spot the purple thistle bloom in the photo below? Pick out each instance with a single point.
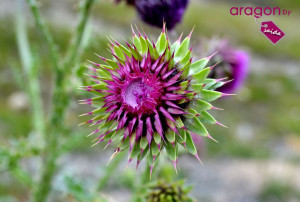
(150, 97)
(156, 12)
(234, 65)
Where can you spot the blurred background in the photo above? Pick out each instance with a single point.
(257, 157)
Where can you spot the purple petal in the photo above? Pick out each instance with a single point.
(176, 111)
(166, 114)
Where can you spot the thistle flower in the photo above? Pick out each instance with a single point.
(234, 65)
(156, 12)
(168, 192)
(150, 97)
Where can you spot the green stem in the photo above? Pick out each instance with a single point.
(40, 23)
(141, 186)
(110, 169)
(49, 167)
(44, 185)
(60, 100)
(85, 7)
(30, 69)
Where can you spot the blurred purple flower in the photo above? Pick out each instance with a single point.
(129, 2)
(198, 141)
(156, 12)
(233, 64)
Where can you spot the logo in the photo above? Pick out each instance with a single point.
(268, 28)
(259, 11)
(271, 31)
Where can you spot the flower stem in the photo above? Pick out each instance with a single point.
(60, 98)
(141, 187)
(40, 23)
(85, 7)
(49, 167)
(30, 69)
(44, 186)
(110, 169)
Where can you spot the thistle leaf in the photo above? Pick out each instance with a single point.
(184, 85)
(104, 67)
(190, 144)
(181, 52)
(141, 156)
(135, 151)
(207, 118)
(157, 138)
(99, 87)
(124, 144)
(137, 44)
(112, 63)
(125, 50)
(186, 58)
(143, 142)
(119, 52)
(152, 160)
(152, 50)
(209, 95)
(175, 45)
(110, 135)
(213, 85)
(182, 138)
(154, 149)
(200, 105)
(105, 127)
(190, 96)
(171, 152)
(186, 70)
(170, 136)
(201, 76)
(198, 65)
(179, 123)
(197, 87)
(191, 113)
(135, 53)
(161, 43)
(144, 45)
(196, 126)
(168, 55)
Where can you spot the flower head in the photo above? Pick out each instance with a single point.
(150, 97)
(233, 64)
(156, 12)
(164, 192)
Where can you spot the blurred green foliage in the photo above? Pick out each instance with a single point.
(270, 109)
(277, 191)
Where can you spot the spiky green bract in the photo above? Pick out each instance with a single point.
(150, 97)
(168, 192)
